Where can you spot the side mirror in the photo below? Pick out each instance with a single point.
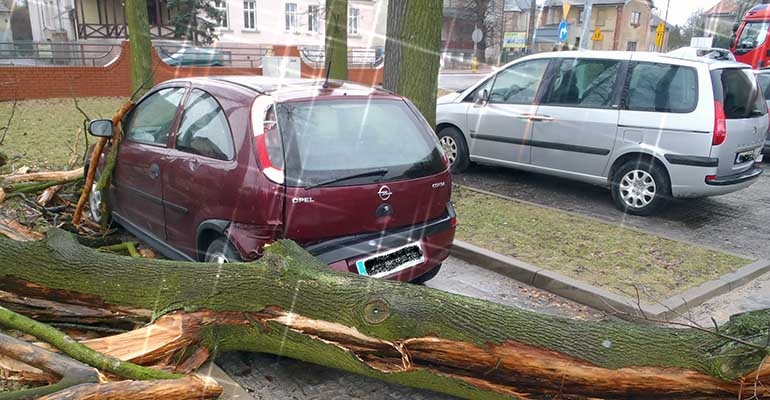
(100, 128)
(481, 97)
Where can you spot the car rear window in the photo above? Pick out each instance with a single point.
(764, 84)
(328, 139)
(738, 92)
(661, 88)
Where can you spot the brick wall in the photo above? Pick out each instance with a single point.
(29, 82)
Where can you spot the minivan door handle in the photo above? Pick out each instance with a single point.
(540, 118)
(154, 171)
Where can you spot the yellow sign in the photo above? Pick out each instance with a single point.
(598, 36)
(565, 8)
(661, 27)
(659, 39)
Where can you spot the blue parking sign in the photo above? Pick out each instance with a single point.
(563, 31)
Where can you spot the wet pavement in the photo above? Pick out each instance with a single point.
(738, 222)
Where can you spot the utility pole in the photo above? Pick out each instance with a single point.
(585, 36)
(665, 25)
(531, 28)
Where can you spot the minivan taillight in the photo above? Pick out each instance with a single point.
(720, 124)
(270, 152)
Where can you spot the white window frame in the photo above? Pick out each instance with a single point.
(313, 18)
(354, 21)
(221, 5)
(249, 10)
(636, 17)
(290, 17)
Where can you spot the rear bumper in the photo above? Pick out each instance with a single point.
(435, 238)
(747, 176)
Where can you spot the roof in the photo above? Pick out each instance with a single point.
(655, 20)
(293, 88)
(724, 7)
(516, 5)
(554, 3)
(634, 55)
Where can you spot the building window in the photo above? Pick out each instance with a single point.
(353, 16)
(250, 14)
(636, 16)
(221, 5)
(291, 16)
(631, 46)
(312, 18)
(601, 16)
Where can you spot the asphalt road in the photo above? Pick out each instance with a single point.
(458, 81)
(269, 377)
(738, 222)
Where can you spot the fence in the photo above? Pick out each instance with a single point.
(57, 53)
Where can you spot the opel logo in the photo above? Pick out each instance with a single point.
(384, 193)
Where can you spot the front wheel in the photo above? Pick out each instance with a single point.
(640, 187)
(221, 251)
(455, 149)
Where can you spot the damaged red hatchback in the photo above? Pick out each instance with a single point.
(212, 169)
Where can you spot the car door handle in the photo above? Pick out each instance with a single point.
(533, 117)
(154, 171)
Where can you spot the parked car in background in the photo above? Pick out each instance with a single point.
(193, 56)
(647, 126)
(213, 169)
(763, 78)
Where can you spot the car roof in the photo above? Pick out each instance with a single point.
(287, 89)
(638, 56)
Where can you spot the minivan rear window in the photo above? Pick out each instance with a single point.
(738, 92)
(661, 88)
(329, 139)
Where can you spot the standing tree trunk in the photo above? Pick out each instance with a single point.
(141, 46)
(288, 303)
(412, 54)
(336, 48)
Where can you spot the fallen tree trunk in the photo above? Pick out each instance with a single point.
(290, 304)
(55, 176)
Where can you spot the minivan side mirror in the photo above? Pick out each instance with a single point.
(481, 97)
(100, 128)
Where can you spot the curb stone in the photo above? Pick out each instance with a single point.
(599, 298)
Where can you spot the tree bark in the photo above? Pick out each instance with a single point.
(140, 44)
(412, 49)
(56, 176)
(336, 46)
(288, 303)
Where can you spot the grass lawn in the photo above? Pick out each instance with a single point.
(42, 131)
(608, 256)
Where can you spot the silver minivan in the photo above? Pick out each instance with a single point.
(647, 126)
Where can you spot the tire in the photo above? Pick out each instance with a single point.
(95, 199)
(640, 187)
(455, 148)
(420, 280)
(222, 251)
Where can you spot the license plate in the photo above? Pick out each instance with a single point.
(745, 157)
(391, 261)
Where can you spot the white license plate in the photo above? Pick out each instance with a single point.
(391, 261)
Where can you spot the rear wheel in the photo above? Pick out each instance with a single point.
(221, 251)
(427, 276)
(455, 148)
(640, 187)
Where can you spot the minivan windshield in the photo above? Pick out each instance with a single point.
(327, 140)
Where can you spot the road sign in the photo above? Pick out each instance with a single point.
(476, 36)
(598, 36)
(565, 8)
(661, 27)
(563, 31)
(659, 39)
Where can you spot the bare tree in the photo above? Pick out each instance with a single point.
(485, 15)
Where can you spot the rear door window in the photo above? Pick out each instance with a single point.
(328, 139)
(150, 122)
(661, 88)
(739, 93)
(583, 83)
(204, 129)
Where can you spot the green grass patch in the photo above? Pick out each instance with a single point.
(43, 131)
(612, 257)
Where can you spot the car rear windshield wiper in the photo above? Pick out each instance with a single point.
(376, 172)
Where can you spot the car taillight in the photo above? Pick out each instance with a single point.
(720, 124)
(453, 222)
(710, 178)
(446, 159)
(270, 152)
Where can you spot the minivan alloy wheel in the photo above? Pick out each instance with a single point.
(637, 188)
(95, 203)
(450, 148)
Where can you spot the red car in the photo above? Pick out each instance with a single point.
(212, 169)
